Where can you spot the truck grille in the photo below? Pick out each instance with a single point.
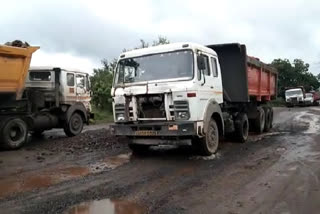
(151, 107)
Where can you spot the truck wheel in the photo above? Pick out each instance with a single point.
(242, 127)
(209, 144)
(14, 133)
(138, 149)
(271, 117)
(268, 120)
(74, 125)
(259, 121)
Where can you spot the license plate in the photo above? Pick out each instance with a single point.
(146, 133)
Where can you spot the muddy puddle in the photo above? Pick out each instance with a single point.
(107, 206)
(46, 178)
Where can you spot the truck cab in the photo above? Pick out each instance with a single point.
(176, 94)
(70, 86)
(294, 96)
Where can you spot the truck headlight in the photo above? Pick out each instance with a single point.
(183, 115)
(181, 109)
(120, 117)
(119, 111)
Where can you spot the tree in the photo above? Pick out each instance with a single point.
(294, 74)
(101, 83)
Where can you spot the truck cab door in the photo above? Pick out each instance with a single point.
(83, 89)
(70, 88)
(216, 79)
(205, 82)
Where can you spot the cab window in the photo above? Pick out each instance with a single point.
(40, 76)
(214, 67)
(80, 81)
(206, 71)
(70, 79)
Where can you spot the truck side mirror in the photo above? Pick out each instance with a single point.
(201, 63)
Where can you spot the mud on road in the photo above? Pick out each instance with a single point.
(277, 172)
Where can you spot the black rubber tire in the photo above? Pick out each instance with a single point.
(139, 149)
(209, 144)
(14, 133)
(271, 117)
(74, 126)
(241, 128)
(260, 121)
(268, 120)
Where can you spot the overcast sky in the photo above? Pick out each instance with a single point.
(79, 33)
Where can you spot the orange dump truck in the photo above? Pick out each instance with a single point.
(14, 66)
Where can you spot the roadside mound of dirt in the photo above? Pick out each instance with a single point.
(89, 141)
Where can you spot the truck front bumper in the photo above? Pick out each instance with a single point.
(156, 129)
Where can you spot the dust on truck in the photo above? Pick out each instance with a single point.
(187, 93)
(39, 100)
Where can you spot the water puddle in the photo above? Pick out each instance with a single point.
(20, 184)
(106, 206)
(46, 178)
(310, 120)
(110, 163)
(259, 137)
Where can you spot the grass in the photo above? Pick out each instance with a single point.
(101, 116)
(279, 102)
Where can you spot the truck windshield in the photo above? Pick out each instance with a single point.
(170, 65)
(39, 76)
(309, 95)
(292, 93)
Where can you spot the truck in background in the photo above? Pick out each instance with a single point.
(39, 100)
(309, 99)
(295, 96)
(187, 93)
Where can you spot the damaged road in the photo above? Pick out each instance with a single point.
(277, 172)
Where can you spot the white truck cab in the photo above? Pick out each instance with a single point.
(74, 85)
(174, 94)
(59, 98)
(294, 96)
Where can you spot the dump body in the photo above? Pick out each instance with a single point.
(244, 78)
(14, 66)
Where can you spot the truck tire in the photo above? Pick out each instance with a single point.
(271, 117)
(74, 126)
(209, 144)
(260, 121)
(138, 149)
(14, 133)
(241, 128)
(268, 119)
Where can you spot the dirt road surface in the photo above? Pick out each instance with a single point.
(277, 172)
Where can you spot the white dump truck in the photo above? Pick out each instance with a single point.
(186, 93)
(40, 99)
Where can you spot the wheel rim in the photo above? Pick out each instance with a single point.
(16, 132)
(213, 138)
